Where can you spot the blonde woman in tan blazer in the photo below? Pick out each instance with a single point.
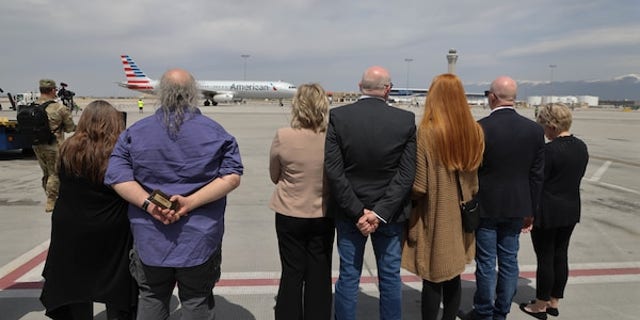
(437, 248)
(305, 234)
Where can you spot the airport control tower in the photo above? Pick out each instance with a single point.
(452, 57)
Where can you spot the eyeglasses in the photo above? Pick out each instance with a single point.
(390, 85)
(487, 92)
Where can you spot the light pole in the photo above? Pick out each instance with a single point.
(408, 61)
(244, 69)
(452, 58)
(551, 67)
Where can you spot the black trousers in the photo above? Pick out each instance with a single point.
(84, 311)
(306, 246)
(551, 246)
(449, 292)
(195, 285)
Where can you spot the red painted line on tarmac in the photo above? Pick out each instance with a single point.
(247, 282)
(602, 272)
(25, 285)
(8, 282)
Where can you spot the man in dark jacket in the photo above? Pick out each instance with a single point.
(370, 155)
(510, 181)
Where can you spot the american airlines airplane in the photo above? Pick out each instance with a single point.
(417, 96)
(214, 91)
(413, 96)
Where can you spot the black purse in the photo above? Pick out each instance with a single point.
(469, 210)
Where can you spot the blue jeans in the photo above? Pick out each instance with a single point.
(496, 238)
(387, 246)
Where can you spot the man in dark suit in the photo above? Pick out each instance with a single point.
(370, 155)
(510, 185)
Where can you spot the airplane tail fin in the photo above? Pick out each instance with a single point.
(136, 79)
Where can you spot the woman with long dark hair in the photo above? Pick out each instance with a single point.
(90, 235)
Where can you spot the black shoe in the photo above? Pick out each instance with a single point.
(538, 315)
(466, 316)
(550, 311)
(553, 311)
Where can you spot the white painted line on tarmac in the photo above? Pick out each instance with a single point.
(602, 265)
(595, 179)
(612, 186)
(622, 278)
(33, 275)
(598, 174)
(617, 187)
(19, 261)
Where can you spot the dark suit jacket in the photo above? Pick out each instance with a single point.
(512, 171)
(370, 156)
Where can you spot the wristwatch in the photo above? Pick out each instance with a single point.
(145, 204)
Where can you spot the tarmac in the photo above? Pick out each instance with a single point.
(604, 257)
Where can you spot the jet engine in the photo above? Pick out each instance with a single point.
(223, 97)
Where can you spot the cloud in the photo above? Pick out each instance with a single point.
(306, 40)
(608, 37)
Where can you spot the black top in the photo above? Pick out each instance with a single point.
(565, 164)
(88, 257)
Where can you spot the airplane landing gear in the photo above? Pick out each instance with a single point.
(208, 102)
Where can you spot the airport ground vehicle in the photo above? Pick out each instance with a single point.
(10, 137)
(24, 98)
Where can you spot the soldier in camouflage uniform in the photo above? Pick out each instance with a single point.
(60, 121)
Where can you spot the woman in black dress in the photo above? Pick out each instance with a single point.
(90, 235)
(566, 160)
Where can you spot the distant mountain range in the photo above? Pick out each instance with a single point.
(620, 88)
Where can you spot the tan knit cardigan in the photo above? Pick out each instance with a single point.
(436, 248)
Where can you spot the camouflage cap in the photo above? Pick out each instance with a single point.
(47, 83)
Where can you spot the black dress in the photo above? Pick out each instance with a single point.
(88, 257)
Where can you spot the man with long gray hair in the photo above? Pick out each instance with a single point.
(175, 168)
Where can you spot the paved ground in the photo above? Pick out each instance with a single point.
(604, 255)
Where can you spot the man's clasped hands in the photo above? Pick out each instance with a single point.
(368, 222)
(166, 215)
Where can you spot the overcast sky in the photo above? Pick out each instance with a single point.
(327, 41)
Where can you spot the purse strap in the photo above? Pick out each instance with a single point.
(460, 197)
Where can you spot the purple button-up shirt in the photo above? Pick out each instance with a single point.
(201, 152)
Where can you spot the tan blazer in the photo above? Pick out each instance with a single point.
(296, 164)
(436, 248)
